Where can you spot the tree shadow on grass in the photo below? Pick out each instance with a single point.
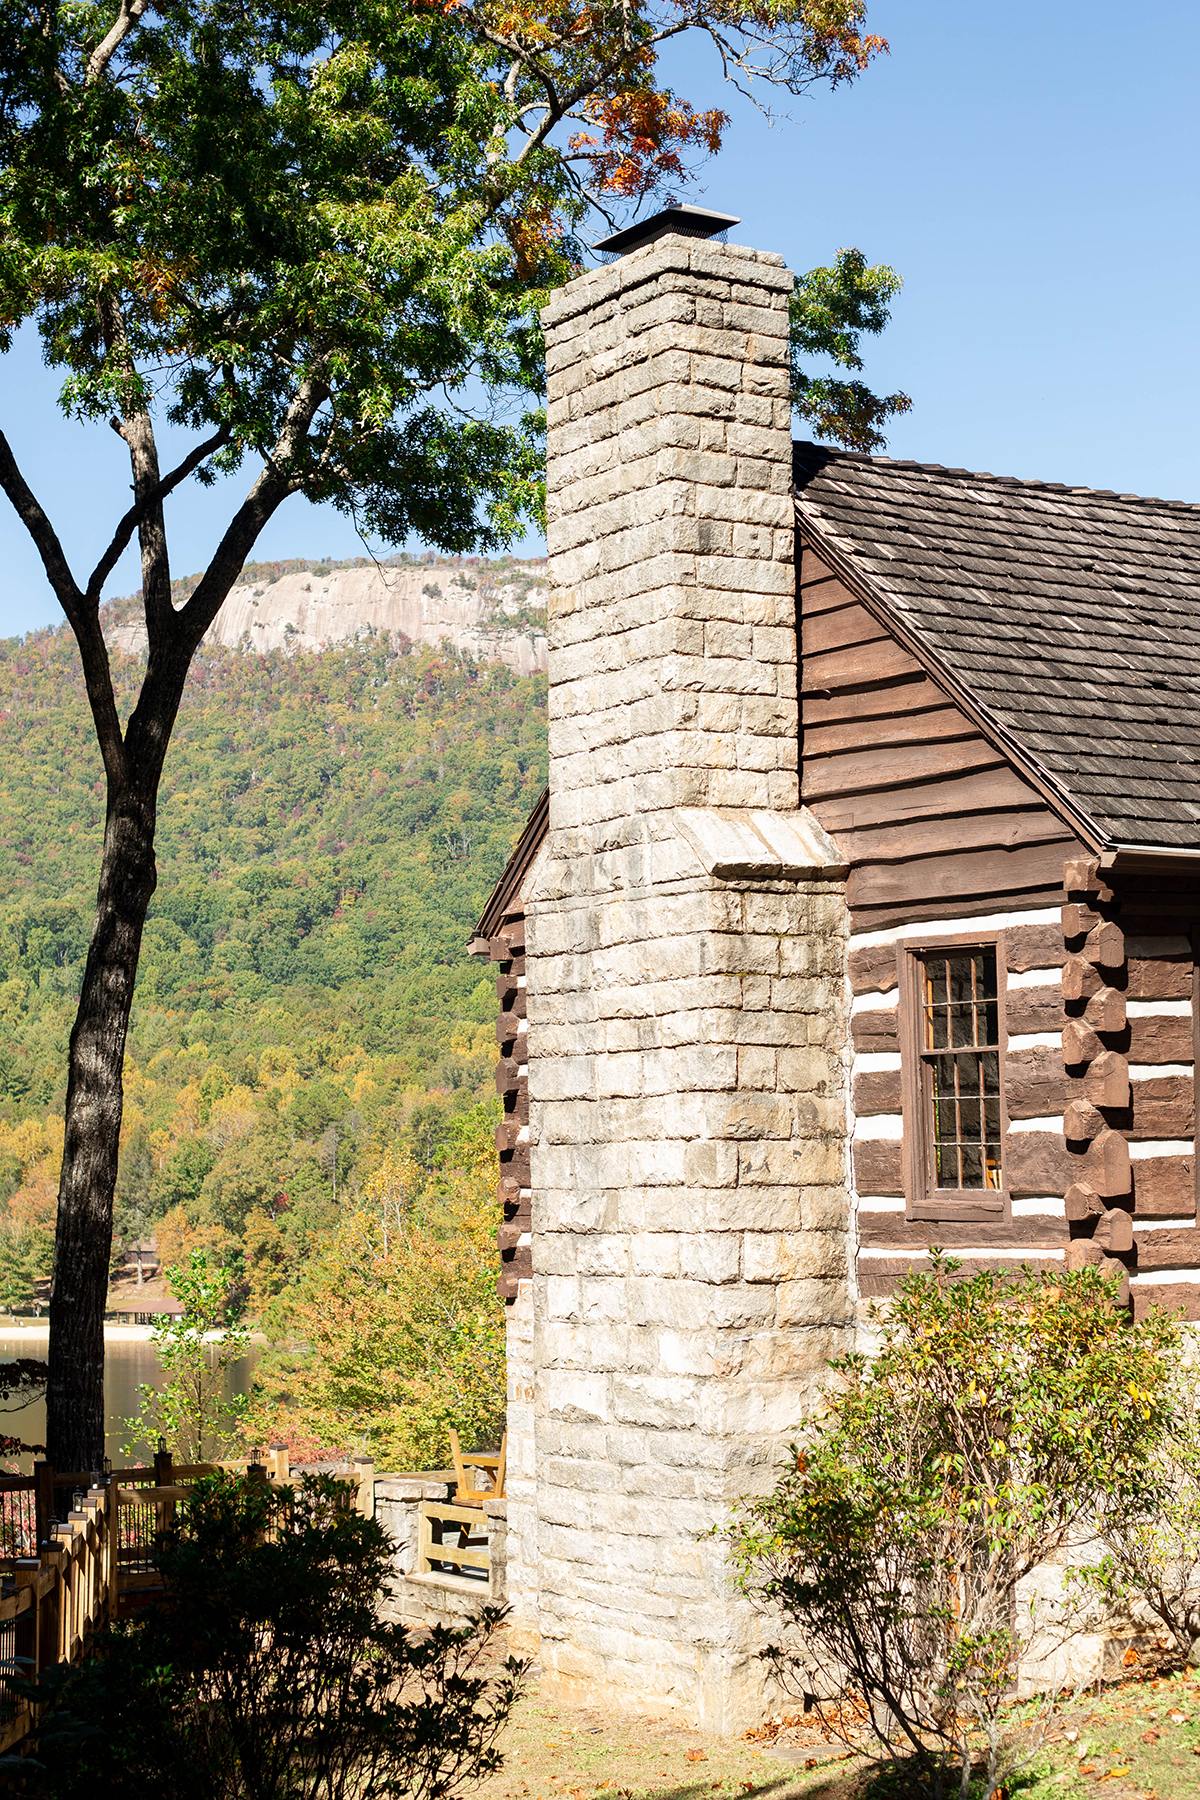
(906, 1778)
(812, 1784)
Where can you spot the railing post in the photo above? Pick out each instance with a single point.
(97, 1503)
(424, 1541)
(364, 1500)
(52, 1628)
(68, 1589)
(281, 1462)
(25, 1575)
(164, 1472)
(43, 1501)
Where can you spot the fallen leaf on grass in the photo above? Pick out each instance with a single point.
(696, 1755)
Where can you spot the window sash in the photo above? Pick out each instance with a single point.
(954, 1037)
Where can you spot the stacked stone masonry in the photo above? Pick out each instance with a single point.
(687, 1078)
(670, 517)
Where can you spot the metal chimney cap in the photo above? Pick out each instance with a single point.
(687, 221)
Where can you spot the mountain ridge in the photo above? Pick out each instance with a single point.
(492, 610)
(329, 826)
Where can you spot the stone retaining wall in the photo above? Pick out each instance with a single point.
(435, 1599)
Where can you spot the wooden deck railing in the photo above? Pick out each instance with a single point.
(57, 1600)
(62, 1579)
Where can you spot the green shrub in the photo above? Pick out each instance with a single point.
(268, 1674)
(1002, 1414)
(189, 1406)
(1151, 1565)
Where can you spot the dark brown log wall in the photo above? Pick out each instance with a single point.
(507, 951)
(1091, 1096)
(1034, 1161)
(930, 815)
(1129, 945)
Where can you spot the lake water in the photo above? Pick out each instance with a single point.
(127, 1364)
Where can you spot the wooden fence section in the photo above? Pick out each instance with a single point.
(59, 1598)
(452, 1539)
(60, 1581)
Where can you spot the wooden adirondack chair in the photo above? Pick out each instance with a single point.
(466, 1462)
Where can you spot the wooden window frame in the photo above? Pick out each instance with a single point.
(922, 1200)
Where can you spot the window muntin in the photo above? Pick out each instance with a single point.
(961, 1067)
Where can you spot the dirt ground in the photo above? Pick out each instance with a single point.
(1136, 1741)
(580, 1753)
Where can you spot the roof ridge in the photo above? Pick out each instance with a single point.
(832, 453)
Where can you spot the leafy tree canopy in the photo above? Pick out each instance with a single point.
(828, 313)
(314, 237)
(300, 230)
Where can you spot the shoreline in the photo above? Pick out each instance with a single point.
(38, 1330)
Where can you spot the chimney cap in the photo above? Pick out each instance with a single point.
(687, 221)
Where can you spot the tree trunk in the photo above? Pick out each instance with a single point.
(133, 762)
(83, 1239)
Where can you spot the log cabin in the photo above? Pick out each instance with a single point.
(860, 917)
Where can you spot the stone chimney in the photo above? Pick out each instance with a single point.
(686, 989)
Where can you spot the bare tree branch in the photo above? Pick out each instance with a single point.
(83, 613)
(128, 17)
(273, 486)
(137, 429)
(132, 519)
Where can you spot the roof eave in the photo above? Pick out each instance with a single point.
(880, 605)
(1150, 856)
(508, 888)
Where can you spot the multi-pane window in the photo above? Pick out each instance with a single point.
(961, 1057)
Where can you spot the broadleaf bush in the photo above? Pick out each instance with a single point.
(269, 1673)
(1002, 1416)
(1150, 1568)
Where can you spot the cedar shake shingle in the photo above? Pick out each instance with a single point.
(1071, 614)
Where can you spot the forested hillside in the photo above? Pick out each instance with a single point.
(330, 826)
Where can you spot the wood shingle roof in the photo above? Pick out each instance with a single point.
(1071, 615)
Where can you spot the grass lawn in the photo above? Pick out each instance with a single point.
(1139, 1740)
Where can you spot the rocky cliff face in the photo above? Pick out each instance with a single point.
(495, 610)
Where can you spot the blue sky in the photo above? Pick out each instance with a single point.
(1031, 171)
